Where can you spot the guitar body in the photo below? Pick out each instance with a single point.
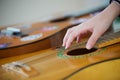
(56, 64)
(37, 36)
(22, 47)
(103, 71)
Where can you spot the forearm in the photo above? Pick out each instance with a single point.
(112, 11)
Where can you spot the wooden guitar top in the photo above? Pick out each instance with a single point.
(58, 64)
(103, 71)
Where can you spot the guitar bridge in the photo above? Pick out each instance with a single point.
(20, 68)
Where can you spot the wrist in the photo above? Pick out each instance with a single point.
(112, 11)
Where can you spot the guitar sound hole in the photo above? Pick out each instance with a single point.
(80, 51)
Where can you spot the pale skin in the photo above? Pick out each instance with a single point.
(96, 25)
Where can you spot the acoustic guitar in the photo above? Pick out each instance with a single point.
(75, 63)
(26, 38)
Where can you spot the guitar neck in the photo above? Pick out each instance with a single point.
(108, 39)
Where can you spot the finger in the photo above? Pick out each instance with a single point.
(66, 36)
(70, 39)
(92, 40)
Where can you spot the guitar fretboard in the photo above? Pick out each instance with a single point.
(108, 39)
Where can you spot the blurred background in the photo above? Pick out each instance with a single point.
(21, 11)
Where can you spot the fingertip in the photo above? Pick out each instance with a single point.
(90, 44)
(63, 45)
(66, 47)
(88, 47)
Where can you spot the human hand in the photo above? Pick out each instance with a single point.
(96, 25)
